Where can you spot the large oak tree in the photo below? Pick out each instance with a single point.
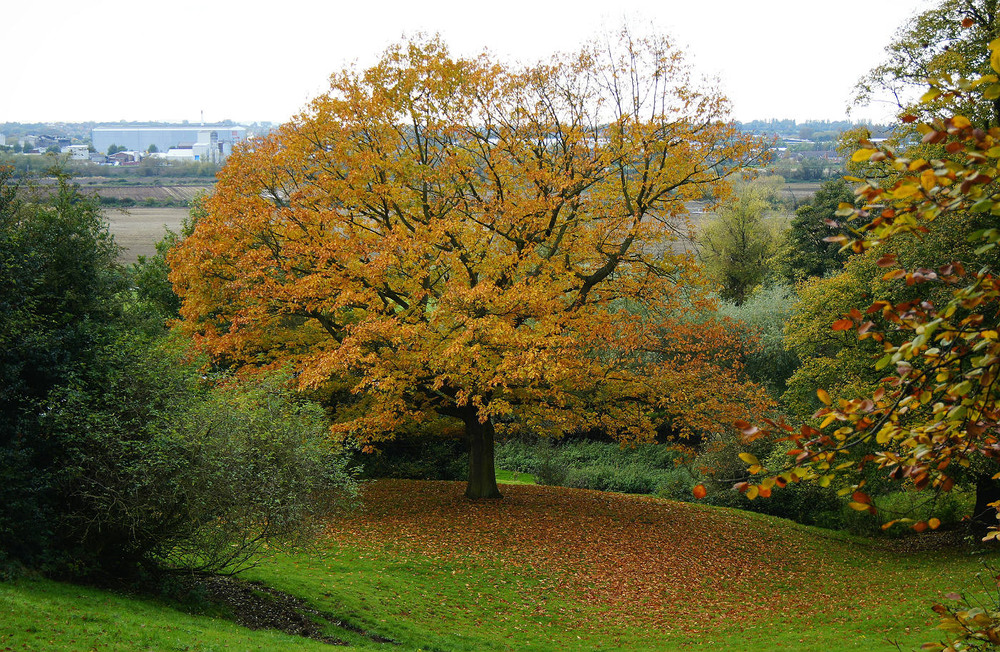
(491, 243)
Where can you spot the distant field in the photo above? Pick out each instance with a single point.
(801, 192)
(137, 230)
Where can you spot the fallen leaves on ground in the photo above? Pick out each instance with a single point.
(636, 559)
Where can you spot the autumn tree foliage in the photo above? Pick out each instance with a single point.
(948, 39)
(494, 244)
(935, 418)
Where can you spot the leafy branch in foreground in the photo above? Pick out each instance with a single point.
(934, 420)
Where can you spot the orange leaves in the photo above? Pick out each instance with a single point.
(631, 559)
(699, 491)
(365, 243)
(861, 502)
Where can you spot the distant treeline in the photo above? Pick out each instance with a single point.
(148, 202)
(40, 164)
(811, 129)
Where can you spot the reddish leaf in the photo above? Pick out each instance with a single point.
(886, 260)
(861, 497)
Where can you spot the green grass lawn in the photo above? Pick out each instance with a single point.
(544, 569)
(513, 477)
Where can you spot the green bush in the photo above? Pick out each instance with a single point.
(587, 464)
(763, 316)
(632, 479)
(114, 455)
(552, 472)
(166, 473)
(677, 485)
(416, 457)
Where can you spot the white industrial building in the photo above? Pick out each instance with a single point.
(195, 142)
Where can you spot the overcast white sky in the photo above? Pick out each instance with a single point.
(109, 60)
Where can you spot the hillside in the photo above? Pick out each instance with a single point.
(548, 569)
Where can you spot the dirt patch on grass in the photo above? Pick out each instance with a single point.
(255, 605)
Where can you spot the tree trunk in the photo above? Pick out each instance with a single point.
(983, 516)
(482, 474)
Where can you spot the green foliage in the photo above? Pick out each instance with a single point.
(737, 245)
(838, 361)
(159, 470)
(416, 457)
(114, 453)
(834, 360)
(805, 253)
(153, 290)
(261, 470)
(59, 285)
(153, 300)
(582, 464)
(631, 478)
(761, 319)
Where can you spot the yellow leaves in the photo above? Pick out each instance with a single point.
(323, 251)
(824, 396)
(994, 47)
(862, 502)
(928, 180)
(904, 190)
(862, 155)
(754, 465)
(930, 96)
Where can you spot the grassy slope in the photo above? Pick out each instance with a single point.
(544, 569)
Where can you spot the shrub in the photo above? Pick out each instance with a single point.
(550, 471)
(763, 317)
(677, 485)
(632, 479)
(166, 474)
(114, 455)
(583, 464)
(416, 457)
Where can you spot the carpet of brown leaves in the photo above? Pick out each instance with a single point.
(620, 552)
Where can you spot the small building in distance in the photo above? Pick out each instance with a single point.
(218, 140)
(77, 152)
(125, 158)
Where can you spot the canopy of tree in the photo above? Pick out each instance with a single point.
(463, 238)
(738, 245)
